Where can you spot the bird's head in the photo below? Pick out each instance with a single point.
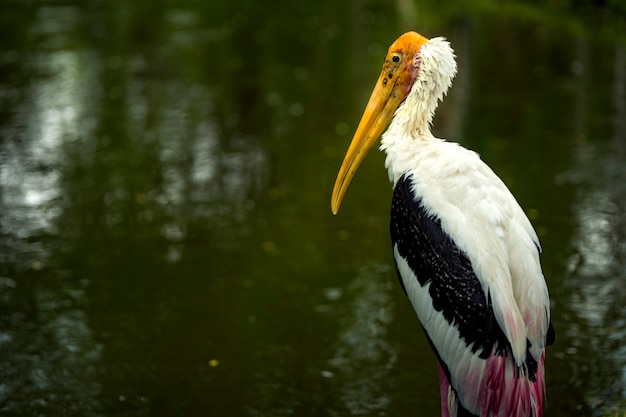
(414, 66)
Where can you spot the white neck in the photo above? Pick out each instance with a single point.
(410, 127)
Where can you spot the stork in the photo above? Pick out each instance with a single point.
(466, 254)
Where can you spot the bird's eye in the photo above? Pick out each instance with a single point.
(395, 58)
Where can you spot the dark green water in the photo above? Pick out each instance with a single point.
(166, 241)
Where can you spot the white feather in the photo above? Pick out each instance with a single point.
(475, 207)
(457, 355)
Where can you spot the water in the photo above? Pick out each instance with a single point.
(166, 241)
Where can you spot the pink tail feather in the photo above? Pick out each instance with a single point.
(504, 391)
(509, 392)
(444, 388)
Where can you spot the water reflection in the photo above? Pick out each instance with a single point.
(48, 337)
(49, 116)
(166, 245)
(364, 356)
(595, 268)
(218, 184)
(100, 161)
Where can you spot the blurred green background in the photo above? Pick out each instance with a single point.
(166, 241)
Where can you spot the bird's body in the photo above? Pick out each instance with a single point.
(466, 254)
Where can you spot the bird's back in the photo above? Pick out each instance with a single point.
(468, 259)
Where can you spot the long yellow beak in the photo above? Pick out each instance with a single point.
(399, 72)
(382, 104)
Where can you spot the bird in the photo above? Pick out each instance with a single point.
(465, 252)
